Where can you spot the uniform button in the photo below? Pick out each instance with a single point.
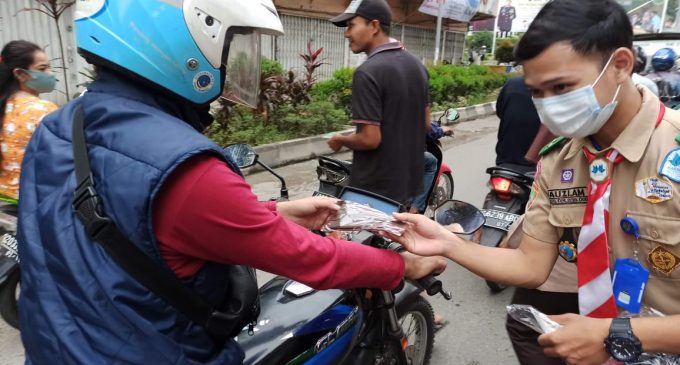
(655, 234)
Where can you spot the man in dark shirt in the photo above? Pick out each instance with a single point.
(505, 17)
(518, 127)
(389, 102)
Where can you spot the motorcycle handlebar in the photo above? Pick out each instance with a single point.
(432, 286)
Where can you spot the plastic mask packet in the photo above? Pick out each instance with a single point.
(360, 217)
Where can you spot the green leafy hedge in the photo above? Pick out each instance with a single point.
(449, 83)
(326, 108)
(337, 90)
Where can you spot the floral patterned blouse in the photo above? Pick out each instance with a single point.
(23, 113)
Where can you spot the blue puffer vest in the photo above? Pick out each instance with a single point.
(77, 305)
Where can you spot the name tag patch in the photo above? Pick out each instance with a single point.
(653, 190)
(670, 167)
(571, 196)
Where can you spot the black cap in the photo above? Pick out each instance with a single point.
(369, 9)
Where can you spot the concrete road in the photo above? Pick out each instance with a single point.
(475, 333)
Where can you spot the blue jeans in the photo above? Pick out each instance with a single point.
(431, 166)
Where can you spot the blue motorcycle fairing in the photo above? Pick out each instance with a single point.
(334, 351)
(288, 325)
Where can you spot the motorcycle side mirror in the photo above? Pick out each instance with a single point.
(452, 115)
(242, 154)
(459, 217)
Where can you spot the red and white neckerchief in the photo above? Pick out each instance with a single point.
(595, 293)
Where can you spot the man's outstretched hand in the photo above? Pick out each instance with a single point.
(423, 236)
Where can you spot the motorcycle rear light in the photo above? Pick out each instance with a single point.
(500, 184)
(504, 187)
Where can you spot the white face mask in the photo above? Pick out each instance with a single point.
(576, 114)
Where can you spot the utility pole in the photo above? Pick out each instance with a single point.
(437, 38)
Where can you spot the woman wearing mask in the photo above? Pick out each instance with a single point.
(24, 75)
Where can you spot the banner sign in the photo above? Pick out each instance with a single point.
(460, 10)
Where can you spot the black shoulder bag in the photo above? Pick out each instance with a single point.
(242, 303)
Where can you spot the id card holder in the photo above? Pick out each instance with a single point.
(629, 282)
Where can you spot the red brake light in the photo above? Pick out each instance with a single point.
(500, 184)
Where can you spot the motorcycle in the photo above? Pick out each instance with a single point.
(334, 174)
(300, 325)
(10, 273)
(510, 188)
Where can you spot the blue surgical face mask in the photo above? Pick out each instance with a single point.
(576, 114)
(41, 82)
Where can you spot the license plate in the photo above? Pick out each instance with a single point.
(498, 219)
(8, 247)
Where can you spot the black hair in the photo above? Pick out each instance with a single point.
(15, 54)
(591, 27)
(384, 27)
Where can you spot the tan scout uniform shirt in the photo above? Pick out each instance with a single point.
(562, 279)
(560, 199)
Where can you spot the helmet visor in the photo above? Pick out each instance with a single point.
(241, 59)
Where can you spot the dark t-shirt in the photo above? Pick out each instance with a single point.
(390, 89)
(519, 123)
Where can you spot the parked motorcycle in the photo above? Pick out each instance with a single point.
(9, 265)
(334, 174)
(300, 325)
(510, 187)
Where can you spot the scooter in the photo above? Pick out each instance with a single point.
(334, 174)
(300, 325)
(9, 265)
(510, 187)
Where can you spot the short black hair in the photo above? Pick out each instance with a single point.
(592, 27)
(384, 27)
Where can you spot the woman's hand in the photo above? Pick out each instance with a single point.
(423, 236)
(311, 213)
(417, 267)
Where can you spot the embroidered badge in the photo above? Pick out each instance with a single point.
(670, 167)
(653, 190)
(599, 170)
(567, 176)
(533, 195)
(663, 260)
(572, 196)
(568, 251)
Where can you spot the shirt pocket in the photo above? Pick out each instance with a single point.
(567, 216)
(564, 218)
(659, 245)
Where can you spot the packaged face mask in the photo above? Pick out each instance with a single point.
(360, 217)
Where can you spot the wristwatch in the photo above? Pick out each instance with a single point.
(622, 344)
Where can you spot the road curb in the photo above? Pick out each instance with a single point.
(303, 149)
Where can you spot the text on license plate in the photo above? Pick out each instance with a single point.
(498, 219)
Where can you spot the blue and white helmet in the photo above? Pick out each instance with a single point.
(183, 46)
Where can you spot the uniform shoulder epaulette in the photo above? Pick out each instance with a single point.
(552, 145)
(677, 139)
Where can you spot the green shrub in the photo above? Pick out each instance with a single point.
(454, 86)
(505, 50)
(337, 90)
(270, 68)
(326, 108)
(317, 117)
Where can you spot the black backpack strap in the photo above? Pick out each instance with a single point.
(100, 228)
